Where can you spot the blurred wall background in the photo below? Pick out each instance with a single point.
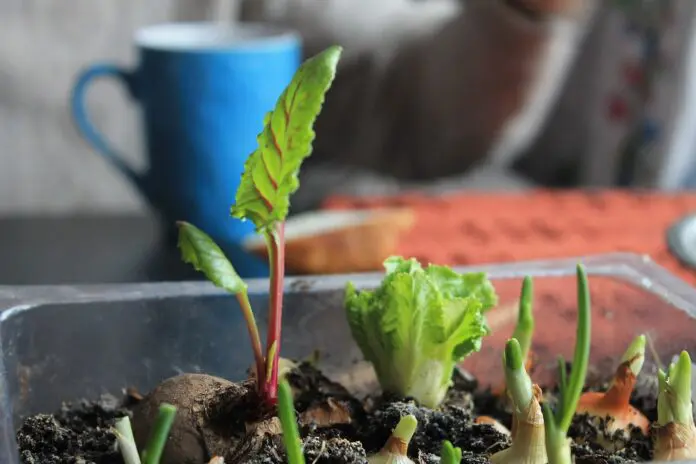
(46, 168)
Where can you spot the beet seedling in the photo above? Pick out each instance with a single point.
(263, 197)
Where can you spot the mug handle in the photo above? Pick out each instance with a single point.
(87, 129)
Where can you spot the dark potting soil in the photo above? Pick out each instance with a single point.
(335, 427)
(78, 433)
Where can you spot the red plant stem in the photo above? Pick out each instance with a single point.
(276, 256)
(243, 299)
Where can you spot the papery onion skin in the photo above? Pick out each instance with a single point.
(674, 442)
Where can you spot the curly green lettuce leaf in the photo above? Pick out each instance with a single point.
(418, 324)
(271, 172)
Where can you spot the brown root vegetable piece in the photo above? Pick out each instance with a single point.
(488, 420)
(212, 418)
(328, 413)
(332, 242)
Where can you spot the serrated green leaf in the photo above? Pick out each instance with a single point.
(199, 250)
(467, 329)
(270, 173)
(397, 264)
(455, 285)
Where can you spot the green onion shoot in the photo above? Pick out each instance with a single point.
(288, 422)
(528, 438)
(557, 425)
(524, 329)
(155, 445)
(523, 333)
(126, 441)
(674, 433)
(395, 450)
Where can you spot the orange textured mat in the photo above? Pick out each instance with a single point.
(468, 228)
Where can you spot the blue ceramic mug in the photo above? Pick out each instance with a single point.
(204, 89)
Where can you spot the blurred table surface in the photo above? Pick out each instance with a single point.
(456, 229)
(87, 249)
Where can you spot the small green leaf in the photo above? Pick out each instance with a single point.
(450, 454)
(198, 249)
(270, 172)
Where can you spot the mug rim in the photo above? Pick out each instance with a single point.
(215, 37)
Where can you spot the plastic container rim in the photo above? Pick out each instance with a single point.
(639, 270)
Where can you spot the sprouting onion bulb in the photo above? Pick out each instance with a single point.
(528, 439)
(613, 405)
(395, 451)
(674, 433)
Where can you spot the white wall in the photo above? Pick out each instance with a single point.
(45, 167)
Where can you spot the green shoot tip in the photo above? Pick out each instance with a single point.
(513, 355)
(406, 428)
(682, 382)
(635, 354)
(526, 299)
(674, 396)
(168, 409)
(450, 454)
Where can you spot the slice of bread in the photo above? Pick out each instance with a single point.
(333, 242)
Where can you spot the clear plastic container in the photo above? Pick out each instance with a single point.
(70, 342)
